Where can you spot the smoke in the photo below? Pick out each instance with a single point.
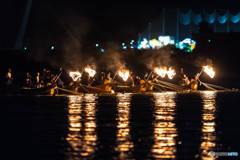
(111, 59)
(73, 53)
(202, 61)
(156, 58)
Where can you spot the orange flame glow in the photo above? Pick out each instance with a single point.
(171, 73)
(161, 71)
(209, 70)
(75, 75)
(90, 71)
(124, 74)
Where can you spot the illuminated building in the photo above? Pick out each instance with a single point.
(182, 23)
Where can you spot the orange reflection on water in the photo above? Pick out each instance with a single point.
(208, 138)
(82, 126)
(165, 131)
(124, 143)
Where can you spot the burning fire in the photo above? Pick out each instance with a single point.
(124, 74)
(171, 73)
(209, 70)
(75, 75)
(90, 71)
(161, 71)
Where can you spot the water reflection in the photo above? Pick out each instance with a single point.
(124, 143)
(208, 139)
(82, 136)
(165, 131)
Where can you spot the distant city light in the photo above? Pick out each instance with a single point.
(124, 47)
(25, 48)
(209, 40)
(156, 43)
(97, 45)
(187, 44)
(102, 50)
(123, 44)
(52, 47)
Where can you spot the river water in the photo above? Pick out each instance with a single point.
(121, 126)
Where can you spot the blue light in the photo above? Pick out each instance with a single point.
(102, 50)
(132, 47)
(52, 47)
(124, 47)
(25, 48)
(97, 45)
(123, 44)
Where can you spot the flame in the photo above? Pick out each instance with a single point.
(90, 71)
(209, 70)
(124, 74)
(161, 71)
(171, 73)
(75, 75)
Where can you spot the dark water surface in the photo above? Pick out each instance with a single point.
(122, 126)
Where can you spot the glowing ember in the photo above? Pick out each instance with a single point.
(171, 73)
(75, 75)
(209, 70)
(90, 71)
(124, 74)
(161, 71)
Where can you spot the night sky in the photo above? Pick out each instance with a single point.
(51, 21)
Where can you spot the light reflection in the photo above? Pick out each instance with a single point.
(82, 135)
(165, 131)
(124, 143)
(208, 139)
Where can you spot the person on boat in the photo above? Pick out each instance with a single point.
(103, 77)
(44, 75)
(38, 80)
(145, 76)
(186, 80)
(181, 78)
(48, 77)
(28, 80)
(194, 82)
(130, 80)
(9, 77)
(53, 80)
(137, 80)
(109, 77)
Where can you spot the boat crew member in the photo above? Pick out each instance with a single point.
(44, 76)
(181, 78)
(186, 80)
(109, 77)
(38, 80)
(28, 80)
(9, 77)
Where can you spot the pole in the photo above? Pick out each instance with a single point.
(163, 22)
(177, 34)
(149, 31)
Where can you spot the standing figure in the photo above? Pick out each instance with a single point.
(38, 80)
(44, 76)
(9, 77)
(194, 82)
(28, 80)
(181, 78)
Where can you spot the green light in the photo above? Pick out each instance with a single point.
(209, 40)
(52, 48)
(25, 48)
